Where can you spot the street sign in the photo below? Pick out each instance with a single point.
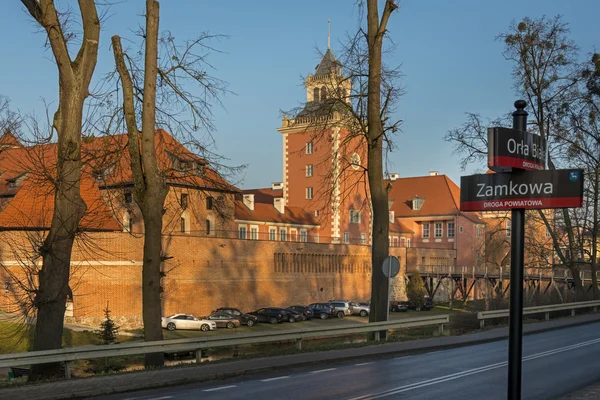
(391, 266)
(511, 148)
(525, 189)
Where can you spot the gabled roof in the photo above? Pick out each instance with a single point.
(264, 212)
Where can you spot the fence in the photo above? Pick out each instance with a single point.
(199, 344)
(483, 315)
(546, 273)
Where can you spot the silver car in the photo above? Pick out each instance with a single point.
(362, 309)
(187, 321)
(342, 307)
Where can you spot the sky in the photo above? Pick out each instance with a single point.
(447, 51)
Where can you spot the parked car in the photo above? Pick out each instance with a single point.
(270, 315)
(427, 305)
(398, 306)
(342, 307)
(362, 309)
(302, 310)
(225, 320)
(187, 321)
(322, 310)
(289, 315)
(245, 319)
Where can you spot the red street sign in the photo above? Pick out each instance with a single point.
(525, 189)
(511, 148)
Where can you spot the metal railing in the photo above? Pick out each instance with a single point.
(546, 272)
(483, 315)
(199, 344)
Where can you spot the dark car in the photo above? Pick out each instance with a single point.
(245, 319)
(289, 315)
(322, 310)
(224, 320)
(271, 315)
(302, 310)
(427, 305)
(398, 306)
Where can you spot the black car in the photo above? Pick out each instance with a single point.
(302, 310)
(289, 315)
(322, 310)
(398, 306)
(427, 305)
(245, 319)
(270, 315)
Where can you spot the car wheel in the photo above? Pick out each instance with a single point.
(171, 326)
(363, 313)
(230, 325)
(292, 320)
(204, 328)
(323, 316)
(250, 322)
(340, 314)
(273, 320)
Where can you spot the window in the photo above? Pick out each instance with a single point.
(282, 234)
(395, 241)
(242, 231)
(309, 148)
(309, 170)
(209, 203)
(184, 200)
(303, 235)
(346, 237)
(272, 233)
(128, 197)
(407, 242)
(478, 230)
(316, 94)
(208, 227)
(354, 217)
(182, 223)
(254, 232)
(438, 230)
(450, 229)
(425, 230)
(323, 93)
(460, 229)
(309, 193)
(317, 213)
(508, 227)
(363, 238)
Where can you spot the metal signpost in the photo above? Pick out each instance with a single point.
(518, 158)
(391, 268)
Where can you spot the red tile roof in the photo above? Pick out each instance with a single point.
(8, 140)
(264, 195)
(399, 227)
(268, 213)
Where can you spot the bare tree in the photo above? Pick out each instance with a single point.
(75, 75)
(9, 120)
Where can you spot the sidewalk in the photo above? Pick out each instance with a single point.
(197, 373)
(589, 393)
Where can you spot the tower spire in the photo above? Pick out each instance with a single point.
(329, 34)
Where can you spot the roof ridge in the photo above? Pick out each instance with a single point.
(446, 179)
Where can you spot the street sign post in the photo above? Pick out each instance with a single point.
(391, 268)
(511, 148)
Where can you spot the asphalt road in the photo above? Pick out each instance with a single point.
(554, 364)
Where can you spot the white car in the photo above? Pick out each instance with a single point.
(187, 321)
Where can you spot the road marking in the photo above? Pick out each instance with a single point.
(160, 398)
(219, 388)
(323, 370)
(365, 363)
(275, 379)
(485, 368)
(401, 358)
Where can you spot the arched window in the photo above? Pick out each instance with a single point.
(127, 222)
(323, 93)
(184, 222)
(316, 94)
(208, 227)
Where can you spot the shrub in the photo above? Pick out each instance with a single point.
(415, 291)
(108, 329)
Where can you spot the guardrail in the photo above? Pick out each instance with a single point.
(199, 344)
(483, 315)
(546, 272)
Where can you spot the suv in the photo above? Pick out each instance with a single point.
(245, 319)
(342, 307)
(397, 306)
(362, 309)
(322, 310)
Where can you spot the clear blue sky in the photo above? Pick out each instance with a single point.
(447, 50)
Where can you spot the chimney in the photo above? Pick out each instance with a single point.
(279, 204)
(391, 217)
(249, 201)
(393, 177)
(433, 173)
(277, 185)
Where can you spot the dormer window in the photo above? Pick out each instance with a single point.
(128, 197)
(417, 203)
(12, 183)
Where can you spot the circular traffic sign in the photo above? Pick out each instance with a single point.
(391, 266)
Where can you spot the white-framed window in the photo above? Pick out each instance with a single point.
(254, 232)
(450, 229)
(282, 234)
(395, 241)
(309, 148)
(425, 230)
(407, 242)
(438, 229)
(461, 229)
(309, 193)
(293, 234)
(303, 235)
(363, 238)
(317, 213)
(309, 170)
(346, 237)
(508, 227)
(272, 233)
(354, 217)
(478, 230)
(243, 231)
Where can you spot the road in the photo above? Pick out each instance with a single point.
(554, 364)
